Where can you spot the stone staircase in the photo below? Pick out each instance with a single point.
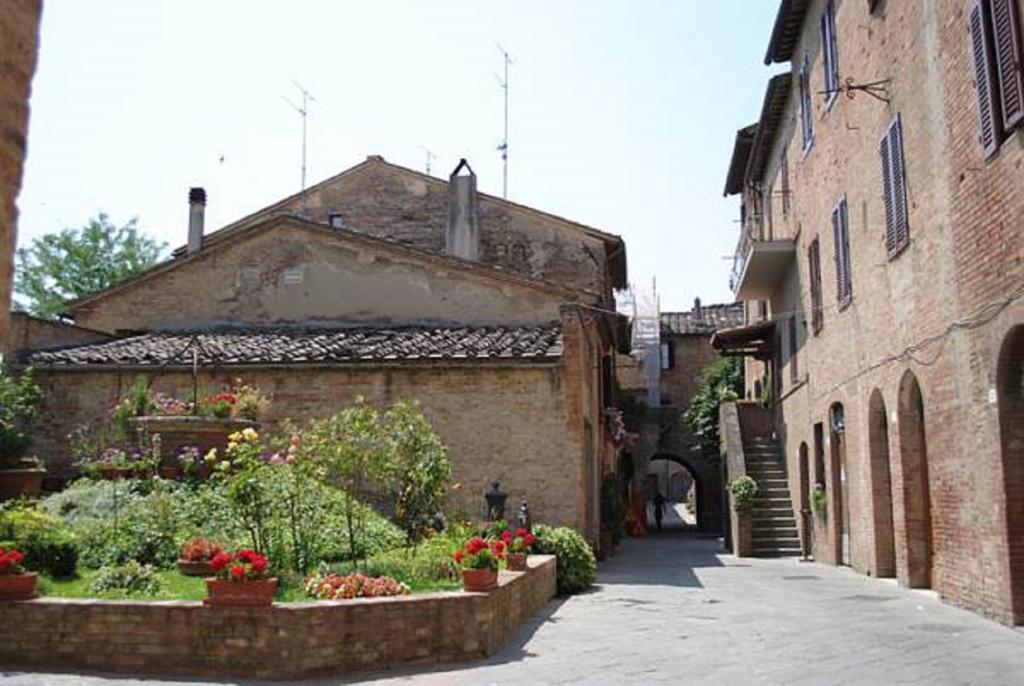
(774, 532)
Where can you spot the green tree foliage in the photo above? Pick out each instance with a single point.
(73, 263)
(720, 380)
(421, 469)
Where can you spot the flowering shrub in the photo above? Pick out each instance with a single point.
(169, 406)
(250, 403)
(519, 542)
(245, 565)
(200, 550)
(129, 578)
(218, 405)
(333, 586)
(134, 459)
(480, 554)
(10, 562)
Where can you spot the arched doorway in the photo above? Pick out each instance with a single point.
(1010, 386)
(805, 501)
(881, 487)
(840, 490)
(681, 485)
(917, 515)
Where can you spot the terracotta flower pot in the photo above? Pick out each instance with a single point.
(18, 586)
(171, 472)
(479, 579)
(517, 562)
(15, 483)
(240, 593)
(195, 567)
(116, 473)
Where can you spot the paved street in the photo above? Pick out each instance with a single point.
(670, 609)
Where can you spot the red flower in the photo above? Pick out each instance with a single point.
(458, 557)
(522, 533)
(237, 573)
(259, 564)
(475, 545)
(529, 540)
(220, 561)
(498, 547)
(506, 536)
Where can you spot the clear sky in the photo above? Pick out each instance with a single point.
(622, 114)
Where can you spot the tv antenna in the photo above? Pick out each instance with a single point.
(503, 84)
(307, 97)
(430, 157)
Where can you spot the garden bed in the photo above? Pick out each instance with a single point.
(286, 641)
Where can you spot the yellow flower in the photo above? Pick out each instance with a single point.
(250, 434)
(211, 456)
(235, 437)
(231, 446)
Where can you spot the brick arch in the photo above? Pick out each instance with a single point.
(704, 508)
(917, 527)
(881, 487)
(1010, 388)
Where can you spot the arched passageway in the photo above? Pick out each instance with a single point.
(917, 515)
(881, 487)
(1010, 386)
(679, 483)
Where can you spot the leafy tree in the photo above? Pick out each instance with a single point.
(421, 469)
(720, 380)
(73, 263)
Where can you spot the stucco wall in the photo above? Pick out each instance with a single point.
(291, 272)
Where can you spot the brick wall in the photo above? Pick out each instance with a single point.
(965, 260)
(19, 38)
(287, 641)
(511, 423)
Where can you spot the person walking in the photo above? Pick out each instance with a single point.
(659, 509)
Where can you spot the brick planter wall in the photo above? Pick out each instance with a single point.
(286, 641)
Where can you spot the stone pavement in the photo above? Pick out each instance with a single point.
(671, 609)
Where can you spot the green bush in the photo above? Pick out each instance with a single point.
(577, 567)
(743, 489)
(131, 578)
(48, 544)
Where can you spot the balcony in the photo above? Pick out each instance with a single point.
(760, 267)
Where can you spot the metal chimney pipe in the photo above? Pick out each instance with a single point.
(196, 215)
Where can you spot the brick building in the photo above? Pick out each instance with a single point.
(882, 266)
(19, 43)
(384, 283)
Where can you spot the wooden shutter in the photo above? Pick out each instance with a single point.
(1006, 40)
(784, 164)
(814, 267)
(989, 122)
(894, 188)
(840, 236)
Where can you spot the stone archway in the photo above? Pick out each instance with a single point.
(881, 487)
(1010, 388)
(704, 508)
(917, 516)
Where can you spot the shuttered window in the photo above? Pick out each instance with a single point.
(841, 238)
(1006, 40)
(894, 188)
(989, 118)
(814, 278)
(784, 165)
(830, 51)
(806, 114)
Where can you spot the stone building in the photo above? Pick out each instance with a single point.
(882, 266)
(391, 285)
(19, 43)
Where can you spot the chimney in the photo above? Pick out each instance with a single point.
(696, 309)
(196, 213)
(462, 239)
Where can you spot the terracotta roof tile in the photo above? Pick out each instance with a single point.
(705, 319)
(368, 345)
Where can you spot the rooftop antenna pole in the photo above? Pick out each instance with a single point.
(503, 83)
(307, 97)
(430, 156)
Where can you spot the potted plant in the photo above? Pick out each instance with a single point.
(197, 557)
(20, 475)
(15, 582)
(220, 405)
(479, 561)
(115, 463)
(518, 546)
(241, 581)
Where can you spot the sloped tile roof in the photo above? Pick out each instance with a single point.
(279, 345)
(706, 319)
